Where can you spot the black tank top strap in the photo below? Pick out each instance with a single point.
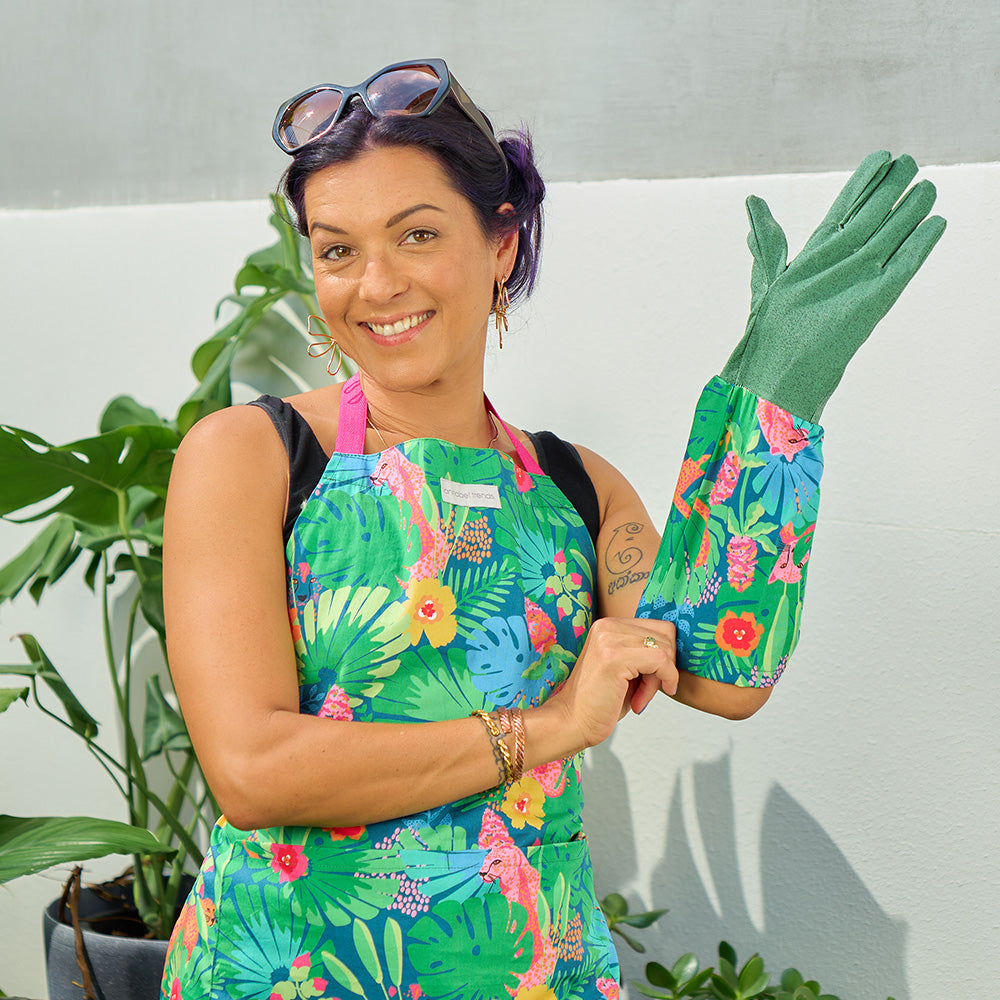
(306, 461)
(562, 463)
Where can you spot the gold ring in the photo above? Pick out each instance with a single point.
(649, 641)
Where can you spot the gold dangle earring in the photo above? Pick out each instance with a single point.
(500, 309)
(318, 348)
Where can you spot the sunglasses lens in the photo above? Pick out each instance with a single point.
(309, 117)
(406, 90)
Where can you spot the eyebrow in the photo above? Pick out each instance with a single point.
(395, 220)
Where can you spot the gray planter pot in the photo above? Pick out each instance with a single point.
(121, 968)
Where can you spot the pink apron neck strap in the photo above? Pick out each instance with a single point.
(354, 418)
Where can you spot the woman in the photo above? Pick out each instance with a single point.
(352, 574)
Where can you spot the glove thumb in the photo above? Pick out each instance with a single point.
(769, 247)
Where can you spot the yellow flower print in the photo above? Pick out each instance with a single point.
(541, 992)
(431, 607)
(525, 803)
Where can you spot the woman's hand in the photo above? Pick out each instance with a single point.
(624, 663)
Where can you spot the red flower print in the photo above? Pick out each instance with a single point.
(288, 861)
(523, 480)
(175, 990)
(738, 634)
(344, 832)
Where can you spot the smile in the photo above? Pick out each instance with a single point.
(400, 326)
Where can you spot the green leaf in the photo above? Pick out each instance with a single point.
(41, 668)
(753, 979)
(29, 845)
(392, 937)
(614, 905)
(49, 554)
(660, 976)
(365, 945)
(685, 967)
(342, 974)
(641, 919)
(94, 471)
(124, 411)
(163, 728)
(648, 991)
(9, 695)
(791, 979)
(722, 989)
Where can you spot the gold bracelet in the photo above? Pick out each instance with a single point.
(512, 722)
(505, 766)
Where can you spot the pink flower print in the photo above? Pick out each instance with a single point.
(776, 425)
(742, 552)
(725, 482)
(302, 963)
(336, 705)
(288, 862)
(560, 560)
(523, 480)
(576, 579)
(541, 629)
(175, 990)
(415, 992)
(608, 988)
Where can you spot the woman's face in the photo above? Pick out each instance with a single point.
(404, 275)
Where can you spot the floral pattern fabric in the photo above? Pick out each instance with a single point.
(406, 608)
(731, 569)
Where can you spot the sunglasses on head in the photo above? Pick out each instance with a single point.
(408, 88)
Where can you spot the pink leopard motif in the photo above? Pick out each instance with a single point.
(781, 434)
(551, 776)
(785, 568)
(507, 865)
(406, 482)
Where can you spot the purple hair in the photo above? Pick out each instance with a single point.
(467, 158)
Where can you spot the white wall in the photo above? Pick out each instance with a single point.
(849, 827)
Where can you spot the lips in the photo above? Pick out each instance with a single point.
(399, 326)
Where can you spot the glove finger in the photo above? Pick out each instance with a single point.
(766, 238)
(868, 216)
(854, 193)
(907, 260)
(902, 221)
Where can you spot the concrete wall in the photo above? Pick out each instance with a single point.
(126, 101)
(850, 826)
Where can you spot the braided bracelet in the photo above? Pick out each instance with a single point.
(513, 722)
(505, 766)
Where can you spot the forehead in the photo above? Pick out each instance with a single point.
(379, 183)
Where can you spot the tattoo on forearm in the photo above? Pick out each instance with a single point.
(623, 556)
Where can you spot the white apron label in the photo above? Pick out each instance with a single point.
(470, 494)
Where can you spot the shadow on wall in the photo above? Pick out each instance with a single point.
(818, 915)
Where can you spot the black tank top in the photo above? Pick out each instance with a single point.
(307, 460)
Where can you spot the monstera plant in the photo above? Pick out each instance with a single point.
(98, 503)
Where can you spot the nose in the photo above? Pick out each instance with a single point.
(381, 280)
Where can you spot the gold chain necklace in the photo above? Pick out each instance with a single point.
(385, 447)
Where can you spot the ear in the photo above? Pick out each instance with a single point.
(507, 246)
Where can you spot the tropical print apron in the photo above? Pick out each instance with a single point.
(424, 582)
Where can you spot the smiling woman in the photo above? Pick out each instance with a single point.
(395, 622)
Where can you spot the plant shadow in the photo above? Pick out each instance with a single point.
(818, 915)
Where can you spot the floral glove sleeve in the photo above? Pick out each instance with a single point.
(730, 572)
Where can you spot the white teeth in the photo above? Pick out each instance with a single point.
(400, 326)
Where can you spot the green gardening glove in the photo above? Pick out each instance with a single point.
(809, 317)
